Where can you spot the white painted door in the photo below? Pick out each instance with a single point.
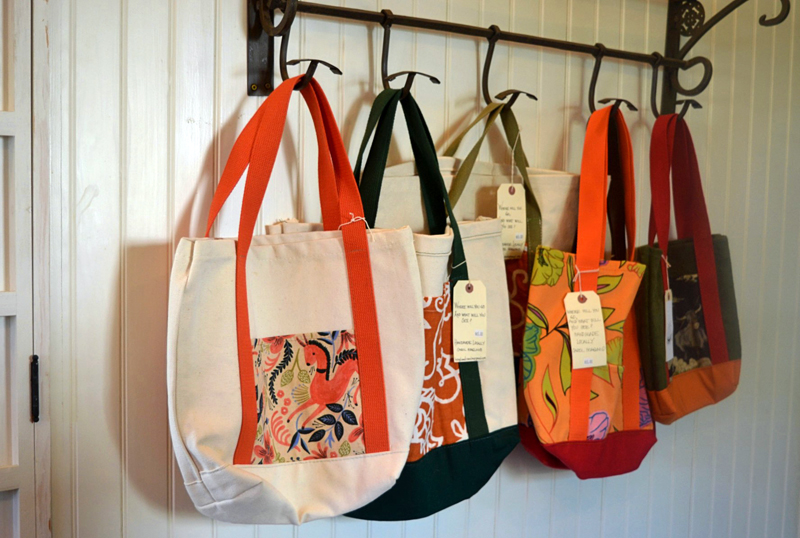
(17, 512)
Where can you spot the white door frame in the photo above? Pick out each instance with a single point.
(46, 111)
(16, 306)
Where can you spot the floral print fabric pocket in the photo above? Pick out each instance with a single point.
(307, 393)
(547, 358)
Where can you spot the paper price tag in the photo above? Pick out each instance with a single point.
(669, 326)
(469, 321)
(586, 329)
(511, 212)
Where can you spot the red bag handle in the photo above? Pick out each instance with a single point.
(592, 205)
(661, 152)
(333, 161)
(672, 147)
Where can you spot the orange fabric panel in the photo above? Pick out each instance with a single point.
(694, 390)
(440, 418)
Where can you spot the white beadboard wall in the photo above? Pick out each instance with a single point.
(149, 97)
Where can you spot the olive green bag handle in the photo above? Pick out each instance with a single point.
(491, 112)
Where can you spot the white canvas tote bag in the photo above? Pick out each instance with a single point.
(466, 422)
(556, 192)
(294, 361)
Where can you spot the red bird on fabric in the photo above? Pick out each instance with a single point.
(330, 380)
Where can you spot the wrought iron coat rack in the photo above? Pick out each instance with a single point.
(685, 18)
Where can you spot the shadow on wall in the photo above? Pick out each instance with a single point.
(141, 428)
(144, 448)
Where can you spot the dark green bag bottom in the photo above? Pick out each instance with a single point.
(443, 477)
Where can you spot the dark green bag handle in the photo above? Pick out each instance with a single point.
(511, 127)
(437, 207)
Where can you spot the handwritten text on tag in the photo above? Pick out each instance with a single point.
(586, 329)
(511, 212)
(469, 321)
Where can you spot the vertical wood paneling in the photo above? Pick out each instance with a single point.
(144, 111)
(98, 258)
(191, 169)
(791, 504)
(764, 151)
(747, 202)
(779, 425)
(154, 102)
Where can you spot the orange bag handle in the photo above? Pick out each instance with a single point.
(239, 159)
(592, 219)
(333, 162)
(592, 200)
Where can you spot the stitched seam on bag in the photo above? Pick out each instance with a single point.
(479, 236)
(295, 259)
(231, 498)
(383, 245)
(434, 254)
(348, 459)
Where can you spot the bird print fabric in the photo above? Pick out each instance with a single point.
(307, 393)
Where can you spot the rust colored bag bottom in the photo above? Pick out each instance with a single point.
(693, 390)
(619, 453)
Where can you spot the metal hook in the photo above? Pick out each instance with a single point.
(601, 51)
(708, 71)
(410, 80)
(779, 18)
(687, 103)
(617, 102)
(657, 59)
(598, 61)
(312, 68)
(514, 95)
(487, 65)
(388, 19)
(266, 12)
(282, 57)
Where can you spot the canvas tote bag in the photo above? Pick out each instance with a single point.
(294, 361)
(596, 421)
(694, 274)
(466, 422)
(551, 210)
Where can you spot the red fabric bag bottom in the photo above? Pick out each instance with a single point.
(619, 453)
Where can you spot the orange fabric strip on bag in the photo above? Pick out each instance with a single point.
(268, 139)
(591, 247)
(266, 144)
(591, 250)
(362, 291)
(237, 163)
(630, 375)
